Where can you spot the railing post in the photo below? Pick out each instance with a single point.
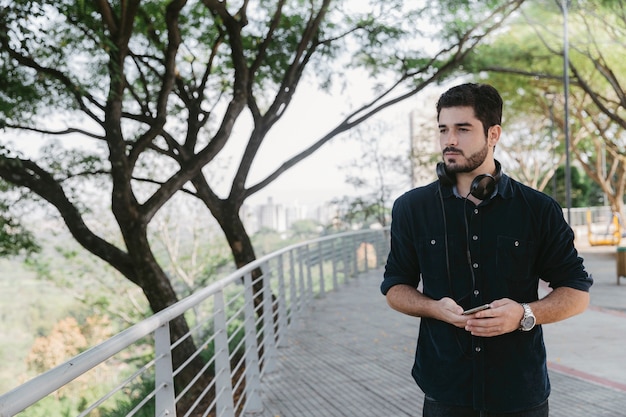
(309, 275)
(294, 303)
(334, 263)
(320, 257)
(164, 376)
(269, 337)
(354, 255)
(223, 382)
(345, 250)
(282, 304)
(377, 249)
(366, 258)
(253, 380)
(383, 247)
(302, 287)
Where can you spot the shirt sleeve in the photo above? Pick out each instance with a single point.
(561, 266)
(402, 263)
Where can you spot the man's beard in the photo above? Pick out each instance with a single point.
(472, 162)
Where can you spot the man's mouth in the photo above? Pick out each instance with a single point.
(452, 154)
(452, 151)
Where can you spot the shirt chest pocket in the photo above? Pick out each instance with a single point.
(514, 258)
(438, 257)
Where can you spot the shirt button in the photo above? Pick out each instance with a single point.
(432, 242)
(476, 238)
(475, 265)
(477, 349)
(476, 293)
(516, 243)
(476, 211)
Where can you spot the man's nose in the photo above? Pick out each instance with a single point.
(450, 139)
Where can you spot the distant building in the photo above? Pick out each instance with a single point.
(273, 216)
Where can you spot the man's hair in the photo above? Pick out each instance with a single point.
(483, 98)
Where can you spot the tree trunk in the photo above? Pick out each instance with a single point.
(241, 246)
(160, 294)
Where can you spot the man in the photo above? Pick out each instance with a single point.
(476, 238)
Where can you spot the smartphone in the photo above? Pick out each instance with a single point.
(476, 309)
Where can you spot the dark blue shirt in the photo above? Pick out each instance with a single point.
(478, 254)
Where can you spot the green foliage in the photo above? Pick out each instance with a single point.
(525, 62)
(583, 192)
(304, 229)
(15, 238)
(51, 406)
(28, 308)
(268, 240)
(122, 404)
(132, 396)
(361, 211)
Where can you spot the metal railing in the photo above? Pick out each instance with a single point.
(578, 215)
(236, 325)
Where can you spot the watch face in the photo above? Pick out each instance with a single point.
(528, 322)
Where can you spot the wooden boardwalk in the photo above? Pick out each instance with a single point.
(351, 355)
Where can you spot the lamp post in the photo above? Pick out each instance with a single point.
(550, 97)
(568, 194)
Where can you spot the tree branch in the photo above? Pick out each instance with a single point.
(28, 174)
(467, 42)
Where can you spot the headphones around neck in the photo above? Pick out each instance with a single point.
(482, 186)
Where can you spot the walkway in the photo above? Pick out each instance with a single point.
(352, 355)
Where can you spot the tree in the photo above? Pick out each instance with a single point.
(379, 172)
(155, 91)
(528, 58)
(66, 339)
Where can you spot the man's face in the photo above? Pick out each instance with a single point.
(462, 139)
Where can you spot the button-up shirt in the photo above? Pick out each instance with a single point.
(475, 255)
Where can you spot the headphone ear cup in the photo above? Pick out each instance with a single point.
(445, 178)
(483, 186)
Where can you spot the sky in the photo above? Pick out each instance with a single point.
(320, 177)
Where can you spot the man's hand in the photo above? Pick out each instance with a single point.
(450, 312)
(504, 316)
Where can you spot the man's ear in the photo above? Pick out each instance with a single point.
(493, 134)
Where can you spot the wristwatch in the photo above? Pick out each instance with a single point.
(528, 321)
